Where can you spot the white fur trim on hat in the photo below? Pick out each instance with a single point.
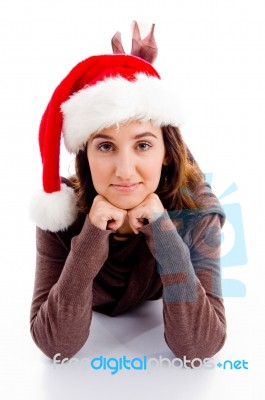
(116, 100)
(54, 211)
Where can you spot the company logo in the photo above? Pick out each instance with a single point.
(114, 365)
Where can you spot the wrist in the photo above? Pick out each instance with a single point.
(155, 216)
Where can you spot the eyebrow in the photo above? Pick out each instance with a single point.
(139, 136)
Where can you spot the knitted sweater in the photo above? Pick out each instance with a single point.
(85, 268)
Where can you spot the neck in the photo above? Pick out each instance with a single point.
(125, 229)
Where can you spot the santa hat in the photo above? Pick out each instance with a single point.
(98, 93)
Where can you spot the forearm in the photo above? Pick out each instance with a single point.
(62, 301)
(195, 329)
(59, 327)
(194, 317)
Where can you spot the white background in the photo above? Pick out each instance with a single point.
(213, 54)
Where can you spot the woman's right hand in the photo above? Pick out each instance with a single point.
(106, 216)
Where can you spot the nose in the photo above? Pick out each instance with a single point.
(125, 166)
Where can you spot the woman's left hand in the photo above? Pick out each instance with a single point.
(151, 208)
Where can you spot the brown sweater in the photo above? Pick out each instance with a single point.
(85, 268)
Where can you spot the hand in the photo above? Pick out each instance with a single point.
(106, 216)
(151, 208)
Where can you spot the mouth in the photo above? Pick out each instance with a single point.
(126, 187)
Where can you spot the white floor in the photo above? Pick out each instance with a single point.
(28, 374)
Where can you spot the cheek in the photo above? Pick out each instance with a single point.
(152, 170)
(101, 174)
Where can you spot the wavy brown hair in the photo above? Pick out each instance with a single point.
(179, 181)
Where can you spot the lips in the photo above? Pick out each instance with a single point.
(126, 187)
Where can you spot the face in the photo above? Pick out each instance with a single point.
(126, 162)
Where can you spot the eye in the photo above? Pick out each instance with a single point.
(105, 147)
(143, 146)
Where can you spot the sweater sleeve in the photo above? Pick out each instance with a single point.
(61, 308)
(193, 308)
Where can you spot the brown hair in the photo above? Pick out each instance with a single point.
(178, 183)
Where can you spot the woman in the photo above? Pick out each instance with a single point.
(137, 222)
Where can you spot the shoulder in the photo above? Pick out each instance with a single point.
(210, 204)
(210, 210)
(62, 237)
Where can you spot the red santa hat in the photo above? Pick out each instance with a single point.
(98, 93)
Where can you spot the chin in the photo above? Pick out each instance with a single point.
(127, 204)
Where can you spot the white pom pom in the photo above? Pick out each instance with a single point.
(54, 211)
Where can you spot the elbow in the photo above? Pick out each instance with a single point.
(196, 354)
(57, 354)
(56, 350)
(42, 345)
